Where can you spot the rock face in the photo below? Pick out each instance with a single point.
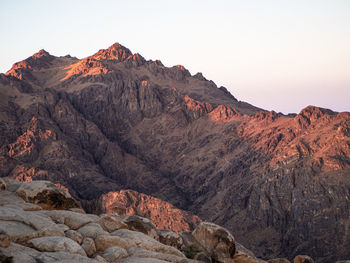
(163, 214)
(114, 121)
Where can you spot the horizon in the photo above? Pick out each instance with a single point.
(276, 56)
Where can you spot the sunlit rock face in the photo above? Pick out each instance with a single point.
(114, 121)
(163, 214)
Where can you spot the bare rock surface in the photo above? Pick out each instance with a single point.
(303, 259)
(46, 194)
(56, 244)
(107, 241)
(143, 260)
(138, 239)
(112, 222)
(278, 260)
(89, 247)
(216, 240)
(92, 230)
(72, 219)
(140, 224)
(143, 253)
(112, 254)
(170, 238)
(74, 235)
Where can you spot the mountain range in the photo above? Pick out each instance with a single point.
(129, 135)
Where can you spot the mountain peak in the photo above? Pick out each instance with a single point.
(41, 53)
(115, 52)
(313, 112)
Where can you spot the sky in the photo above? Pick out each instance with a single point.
(280, 55)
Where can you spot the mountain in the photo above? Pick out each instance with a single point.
(114, 121)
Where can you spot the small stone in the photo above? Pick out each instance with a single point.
(2, 185)
(4, 241)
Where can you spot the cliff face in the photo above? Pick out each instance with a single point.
(115, 121)
(163, 214)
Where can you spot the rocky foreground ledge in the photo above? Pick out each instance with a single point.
(40, 222)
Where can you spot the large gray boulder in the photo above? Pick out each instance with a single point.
(106, 241)
(112, 254)
(278, 260)
(63, 257)
(47, 195)
(112, 222)
(216, 240)
(72, 219)
(89, 247)
(22, 225)
(143, 260)
(10, 198)
(92, 230)
(170, 238)
(56, 244)
(140, 224)
(143, 253)
(74, 235)
(141, 240)
(16, 253)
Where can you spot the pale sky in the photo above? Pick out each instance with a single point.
(278, 55)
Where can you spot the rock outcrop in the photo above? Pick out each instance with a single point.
(163, 214)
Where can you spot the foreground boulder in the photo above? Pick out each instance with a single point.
(278, 260)
(216, 240)
(111, 254)
(170, 238)
(141, 224)
(56, 244)
(138, 239)
(47, 195)
(303, 259)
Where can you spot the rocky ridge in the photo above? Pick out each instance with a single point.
(114, 121)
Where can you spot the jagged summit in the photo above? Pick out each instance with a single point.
(41, 53)
(116, 52)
